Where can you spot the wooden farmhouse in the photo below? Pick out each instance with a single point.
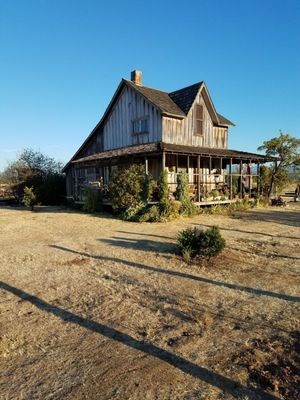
(176, 131)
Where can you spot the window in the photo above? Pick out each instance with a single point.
(198, 127)
(140, 125)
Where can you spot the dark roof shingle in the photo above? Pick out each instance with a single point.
(185, 97)
(158, 98)
(158, 147)
(224, 121)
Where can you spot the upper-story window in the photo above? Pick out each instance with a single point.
(198, 126)
(140, 125)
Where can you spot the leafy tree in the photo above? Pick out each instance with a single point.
(32, 168)
(286, 149)
(29, 199)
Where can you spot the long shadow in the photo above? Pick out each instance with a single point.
(271, 255)
(252, 233)
(59, 210)
(145, 234)
(142, 244)
(258, 292)
(212, 378)
(290, 218)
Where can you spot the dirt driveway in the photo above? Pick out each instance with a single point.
(96, 308)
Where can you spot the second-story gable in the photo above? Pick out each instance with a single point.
(202, 126)
(131, 119)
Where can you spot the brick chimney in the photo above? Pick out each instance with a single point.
(136, 77)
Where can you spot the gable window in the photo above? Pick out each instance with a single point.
(140, 125)
(198, 126)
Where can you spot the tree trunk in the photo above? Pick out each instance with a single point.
(276, 168)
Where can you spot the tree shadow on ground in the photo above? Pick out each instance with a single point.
(59, 210)
(253, 291)
(212, 378)
(142, 244)
(250, 232)
(145, 234)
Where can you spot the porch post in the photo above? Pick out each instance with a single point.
(221, 172)
(176, 163)
(250, 179)
(210, 168)
(146, 165)
(163, 161)
(76, 183)
(258, 178)
(241, 178)
(198, 181)
(230, 179)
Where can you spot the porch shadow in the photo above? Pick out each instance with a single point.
(253, 291)
(209, 377)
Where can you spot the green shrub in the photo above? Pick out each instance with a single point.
(29, 199)
(215, 193)
(197, 242)
(183, 195)
(149, 214)
(163, 188)
(126, 187)
(182, 190)
(148, 187)
(132, 212)
(92, 200)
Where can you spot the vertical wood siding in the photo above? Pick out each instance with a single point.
(182, 132)
(117, 129)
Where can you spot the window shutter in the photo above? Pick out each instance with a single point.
(199, 119)
(199, 111)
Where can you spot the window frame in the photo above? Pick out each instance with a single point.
(141, 129)
(197, 119)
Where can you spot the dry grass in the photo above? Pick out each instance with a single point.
(96, 308)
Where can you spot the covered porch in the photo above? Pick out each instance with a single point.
(215, 175)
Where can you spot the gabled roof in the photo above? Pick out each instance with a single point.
(185, 97)
(174, 104)
(160, 99)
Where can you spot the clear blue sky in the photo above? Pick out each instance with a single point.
(61, 61)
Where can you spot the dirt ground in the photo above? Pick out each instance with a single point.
(96, 308)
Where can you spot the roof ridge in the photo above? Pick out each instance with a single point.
(144, 86)
(187, 87)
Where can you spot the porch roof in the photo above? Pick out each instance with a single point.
(215, 152)
(159, 147)
(123, 151)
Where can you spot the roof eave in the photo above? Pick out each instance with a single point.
(166, 114)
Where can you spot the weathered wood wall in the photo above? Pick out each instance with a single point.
(182, 132)
(117, 130)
